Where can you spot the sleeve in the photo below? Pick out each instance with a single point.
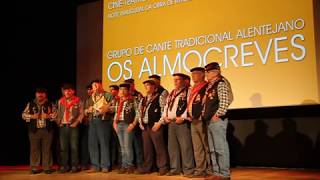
(164, 113)
(163, 100)
(81, 112)
(224, 98)
(26, 113)
(59, 113)
(115, 110)
(136, 109)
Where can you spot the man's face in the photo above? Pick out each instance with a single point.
(114, 92)
(68, 93)
(178, 82)
(132, 87)
(156, 81)
(40, 96)
(212, 74)
(149, 88)
(125, 92)
(197, 76)
(89, 91)
(96, 86)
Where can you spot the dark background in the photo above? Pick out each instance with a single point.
(42, 51)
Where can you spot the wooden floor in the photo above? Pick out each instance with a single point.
(237, 174)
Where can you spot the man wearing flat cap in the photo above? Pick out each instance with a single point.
(122, 123)
(115, 145)
(69, 116)
(175, 114)
(100, 127)
(163, 98)
(137, 134)
(149, 113)
(198, 127)
(217, 100)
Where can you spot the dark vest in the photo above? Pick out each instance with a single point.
(182, 103)
(197, 104)
(154, 111)
(212, 101)
(129, 111)
(33, 109)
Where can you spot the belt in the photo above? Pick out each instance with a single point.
(98, 116)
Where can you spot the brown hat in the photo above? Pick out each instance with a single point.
(125, 85)
(197, 69)
(114, 87)
(150, 81)
(212, 66)
(184, 76)
(129, 81)
(155, 76)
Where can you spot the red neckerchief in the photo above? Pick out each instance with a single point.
(194, 92)
(68, 105)
(120, 107)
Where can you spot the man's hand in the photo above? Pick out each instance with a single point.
(75, 124)
(156, 126)
(104, 109)
(35, 116)
(215, 118)
(89, 110)
(130, 127)
(141, 127)
(45, 116)
(115, 127)
(53, 115)
(167, 120)
(179, 120)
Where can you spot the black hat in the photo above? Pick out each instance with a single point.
(155, 76)
(150, 81)
(125, 85)
(41, 90)
(68, 86)
(129, 81)
(89, 86)
(114, 87)
(197, 69)
(96, 81)
(212, 66)
(184, 76)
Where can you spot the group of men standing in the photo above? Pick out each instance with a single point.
(181, 132)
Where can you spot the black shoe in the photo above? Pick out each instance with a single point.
(63, 170)
(48, 171)
(35, 171)
(74, 169)
(163, 172)
(105, 170)
(130, 170)
(190, 175)
(122, 170)
(142, 171)
(173, 173)
(198, 174)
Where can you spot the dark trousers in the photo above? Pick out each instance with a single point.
(154, 141)
(180, 145)
(40, 148)
(84, 147)
(115, 149)
(69, 140)
(138, 146)
(99, 143)
(199, 134)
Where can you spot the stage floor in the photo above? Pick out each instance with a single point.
(21, 173)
